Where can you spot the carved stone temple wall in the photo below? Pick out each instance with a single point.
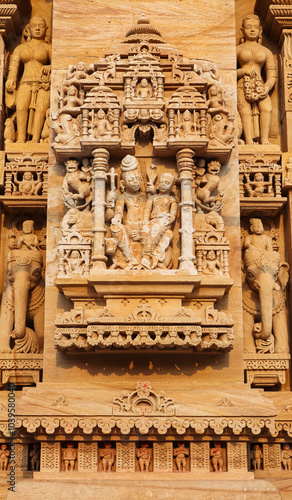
(146, 236)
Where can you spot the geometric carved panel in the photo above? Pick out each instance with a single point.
(236, 457)
(125, 457)
(272, 456)
(87, 457)
(21, 456)
(50, 457)
(162, 457)
(200, 457)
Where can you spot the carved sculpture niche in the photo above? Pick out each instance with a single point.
(22, 308)
(29, 93)
(254, 101)
(130, 214)
(264, 313)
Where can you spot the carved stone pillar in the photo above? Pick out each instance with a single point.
(87, 457)
(100, 169)
(237, 457)
(200, 457)
(286, 89)
(162, 457)
(272, 456)
(185, 166)
(50, 457)
(125, 457)
(21, 457)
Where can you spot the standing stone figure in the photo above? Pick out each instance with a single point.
(31, 96)
(180, 455)
(4, 457)
(217, 458)
(256, 456)
(107, 456)
(252, 91)
(69, 456)
(144, 457)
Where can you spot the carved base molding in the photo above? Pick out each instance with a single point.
(268, 370)
(21, 369)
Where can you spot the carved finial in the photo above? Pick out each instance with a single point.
(143, 19)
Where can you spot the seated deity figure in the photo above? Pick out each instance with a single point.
(186, 127)
(257, 187)
(28, 240)
(211, 265)
(102, 127)
(76, 185)
(216, 102)
(32, 96)
(180, 454)
(159, 214)
(28, 186)
(258, 239)
(4, 457)
(107, 456)
(144, 91)
(126, 219)
(75, 263)
(144, 457)
(69, 456)
(256, 456)
(252, 91)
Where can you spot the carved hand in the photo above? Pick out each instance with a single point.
(10, 86)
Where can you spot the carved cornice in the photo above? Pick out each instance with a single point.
(14, 14)
(276, 16)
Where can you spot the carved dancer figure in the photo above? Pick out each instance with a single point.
(159, 214)
(252, 91)
(28, 186)
(107, 456)
(208, 183)
(4, 457)
(144, 457)
(264, 314)
(144, 91)
(76, 186)
(180, 453)
(69, 457)
(102, 128)
(217, 458)
(286, 455)
(257, 187)
(127, 218)
(256, 456)
(211, 265)
(32, 97)
(35, 457)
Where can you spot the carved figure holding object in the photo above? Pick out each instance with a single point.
(217, 458)
(180, 453)
(253, 93)
(32, 96)
(144, 457)
(107, 456)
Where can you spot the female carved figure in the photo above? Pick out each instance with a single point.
(4, 457)
(107, 456)
(32, 97)
(144, 457)
(253, 92)
(180, 454)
